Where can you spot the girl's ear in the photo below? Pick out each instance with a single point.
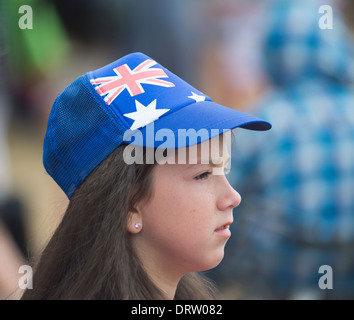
(134, 222)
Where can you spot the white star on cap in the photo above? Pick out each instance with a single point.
(145, 114)
(197, 97)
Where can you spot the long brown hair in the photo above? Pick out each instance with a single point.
(90, 255)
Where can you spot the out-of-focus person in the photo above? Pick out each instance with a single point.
(297, 180)
(12, 247)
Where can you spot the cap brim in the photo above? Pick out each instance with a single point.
(206, 118)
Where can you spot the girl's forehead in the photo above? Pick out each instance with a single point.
(215, 151)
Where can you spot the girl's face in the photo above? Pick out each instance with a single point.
(185, 221)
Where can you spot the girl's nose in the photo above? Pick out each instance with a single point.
(229, 197)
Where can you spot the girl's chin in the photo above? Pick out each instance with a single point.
(213, 262)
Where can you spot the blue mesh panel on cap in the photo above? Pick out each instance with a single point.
(81, 132)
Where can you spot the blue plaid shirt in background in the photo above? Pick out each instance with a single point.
(297, 180)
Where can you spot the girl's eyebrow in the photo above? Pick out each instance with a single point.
(220, 163)
(210, 162)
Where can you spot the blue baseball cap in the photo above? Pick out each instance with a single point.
(128, 101)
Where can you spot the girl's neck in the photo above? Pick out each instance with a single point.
(167, 287)
(163, 274)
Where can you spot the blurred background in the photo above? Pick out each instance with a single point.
(272, 58)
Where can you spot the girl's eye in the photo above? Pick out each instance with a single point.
(203, 176)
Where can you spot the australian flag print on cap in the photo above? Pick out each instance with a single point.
(140, 91)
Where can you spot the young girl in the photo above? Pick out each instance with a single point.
(137, 229)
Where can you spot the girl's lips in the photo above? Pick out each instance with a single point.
(223, 230)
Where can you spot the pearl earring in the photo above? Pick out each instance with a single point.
(138, 225)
